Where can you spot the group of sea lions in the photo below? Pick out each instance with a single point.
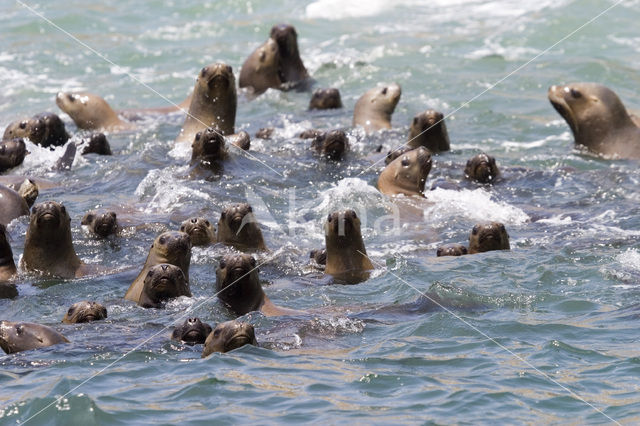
(599, 121)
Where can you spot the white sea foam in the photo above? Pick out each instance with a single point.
(630, 259)
(168, 194)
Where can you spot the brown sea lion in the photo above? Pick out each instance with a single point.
(241, 140)
(265, 133)
(200, 230)
(7, 265)
(171, 247)
(238, 227)
(208, 147)
(8, 290)
(163, 282)
(213, 103)
(292, 71)
(44, 129)
(597, 118)
(325, 99)
(48, 248)
(406, 174)
(346, 256)
(228, 336)
(331, 145)
(239, 288)
(310, 134)
(428, 130)
(373, 110)
(487, 237)
(96, 143)
(12, 206)
(482, 168)
(259, 71)
(192, 331)
(101, 224)
(24, 336)
(90, 112)
(12, 153)
(451, 250)
(84, 311)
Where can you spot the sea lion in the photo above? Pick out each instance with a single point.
(406, 174)
(292, 71)
(331, 145)
(373, 109)
(487, 237)
(213, 103)
(12, 206)
(238, 227)
(7, 265)
(12, 153)
(163, 282)
(45, 129)
(392, 155)
(101, 224)
(319, 256)
(24, 336)
(325, 99)
(482, 168)
(259, 71)
(597, 118)
(238, 287)
(200, 231)
(428, 130)
(228, 336)
(310, 134)
(84, 311)
(28, 190)
(192, 331)
(90, 112)
(265, 133)
(171, 247)
(48, 248)
(241, 140)
(66, 160)
(451, 250)
(8, 290)
(346, 256)
(97, 143)
(208, 147)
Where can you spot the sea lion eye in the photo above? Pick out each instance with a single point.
(223, 264)
(329, 218)
(253, 262)
(23, 125)
(70, 311)
(182, 228)
(575, 93)
(203, 72)
(19, 329)
(207, 223)
(63, 209)
(250, 209)
(113, 215)
(475, 230)
(405, 161)
(198, 135)
(162, 240)
(71, 97)
(384, 91)
(216, 332)
(415, 121)
(501, 227)
(353, 214)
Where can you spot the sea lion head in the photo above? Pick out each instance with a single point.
(103, 224)
(23, 336)
(228, 336)
(175, 248)
(200, 230)
(268, 56)
(192, 331)
(163, 282)
(96, 144)
(325, 99)
(237, 283)
(451, 250)
(50, 218)
(217, 78)
(346, 256)
(287, 39)
(12, 153)
(385, 98)
(407, 174)
(55, 133)
(332, 144)
(343, 228)
(31, 128)
(487, 237)
(87, 110)
(239, 227)
(208, 146)
(482, 168)
(429, 130)
(85, 311)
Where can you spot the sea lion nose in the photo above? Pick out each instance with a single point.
(194, 220)
(164, 267)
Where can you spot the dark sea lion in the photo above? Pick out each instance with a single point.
(8, 268)
(392, 155)
(44, 129)
(406, 174)
(228, 336)
(487, 237)
(259, 71)
(8, 290)
(292, 71)
(12, 153)
(97, 143)
(84, 311)
(310, 134)
(200, 230)
(12, 206)
(451, 250)
(325, 99)
(331, 145)
(48, 248)
(346, 256)
(319, 256)
(428, 130)
(265, 133)
(482, 168)
(66, 160)
(239, 288)
(213, 103)
(192, 331)
(24, 336)
(171, 247)
(101, 224)
(163, 282)
(373, 109)
(238, 227)
(241, 140)
(208, 147)
(90, 112)
(597, 118)
(28, 190)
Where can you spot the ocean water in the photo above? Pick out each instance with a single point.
(544, 333)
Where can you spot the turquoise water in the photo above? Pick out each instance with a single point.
(543, 333)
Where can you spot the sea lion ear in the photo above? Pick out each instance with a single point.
(475, 230)
(87, 219)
